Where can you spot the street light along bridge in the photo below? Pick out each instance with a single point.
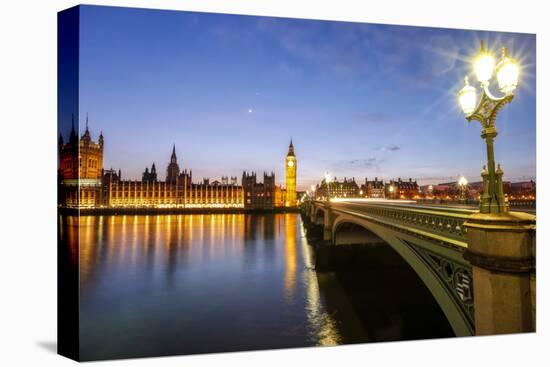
(481, 272)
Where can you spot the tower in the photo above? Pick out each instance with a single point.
(173, 170)
(80, 169)
(290, 167)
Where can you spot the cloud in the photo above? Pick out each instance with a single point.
(389, 148)
(337, 47)
(371, 162)
(393, 148)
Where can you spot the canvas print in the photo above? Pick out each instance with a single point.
(234, 183)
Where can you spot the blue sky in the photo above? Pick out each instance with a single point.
(359, 100)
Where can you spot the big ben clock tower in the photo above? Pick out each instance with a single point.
(290, 177)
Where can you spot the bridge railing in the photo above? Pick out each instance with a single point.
(440, 223)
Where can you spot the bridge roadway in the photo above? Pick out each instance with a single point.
(475, 207)
(433, 240)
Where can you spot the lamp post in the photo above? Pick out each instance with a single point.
(391, 189)
(462, 185)
(507, 75)
(501, 244)
(313, 189)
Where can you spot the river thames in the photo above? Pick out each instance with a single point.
(200, 283)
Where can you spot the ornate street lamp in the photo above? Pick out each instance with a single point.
(313, 189)
(507, 75)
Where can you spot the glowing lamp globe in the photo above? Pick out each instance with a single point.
(484, 65)
(463, 181)
(467, 98)
(507, 74)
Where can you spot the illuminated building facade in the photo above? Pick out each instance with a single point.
(520, 191)
(290, 168)
(80, 169)
(176, 191)
(181, 193)
(373, 189)
(399, 189)
(338, 189)
(524, 190)
(85, 184)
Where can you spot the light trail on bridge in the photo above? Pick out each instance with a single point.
(472, 208)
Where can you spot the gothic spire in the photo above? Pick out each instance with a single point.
(86, 132)
(290, 149)
(173, 158)
(73, 133)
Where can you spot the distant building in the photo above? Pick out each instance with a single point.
(524, 190)
(83, 183)
(177, 191)
(227, 181)
(373, 189)
(80, 169)
(150, 176)
(258, 195)
(338, 189)
(399, 189)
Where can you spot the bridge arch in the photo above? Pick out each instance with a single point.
(454, 314)
(319, 216)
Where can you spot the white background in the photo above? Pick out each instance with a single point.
(28, 143)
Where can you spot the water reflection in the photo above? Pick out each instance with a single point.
(184, 284)
(290, 256)
(324, 326)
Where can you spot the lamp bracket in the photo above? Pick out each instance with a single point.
(488, 107)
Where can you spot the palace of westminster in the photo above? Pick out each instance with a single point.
(83, 183)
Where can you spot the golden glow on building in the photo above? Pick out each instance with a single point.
(139, 194)
(290, 168)
(85, 184)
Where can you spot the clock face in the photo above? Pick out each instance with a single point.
(290, 163)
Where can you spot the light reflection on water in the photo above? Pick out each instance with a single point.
(178, 284)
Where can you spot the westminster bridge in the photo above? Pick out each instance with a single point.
(480, 268)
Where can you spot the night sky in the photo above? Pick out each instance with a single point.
(358, 100)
